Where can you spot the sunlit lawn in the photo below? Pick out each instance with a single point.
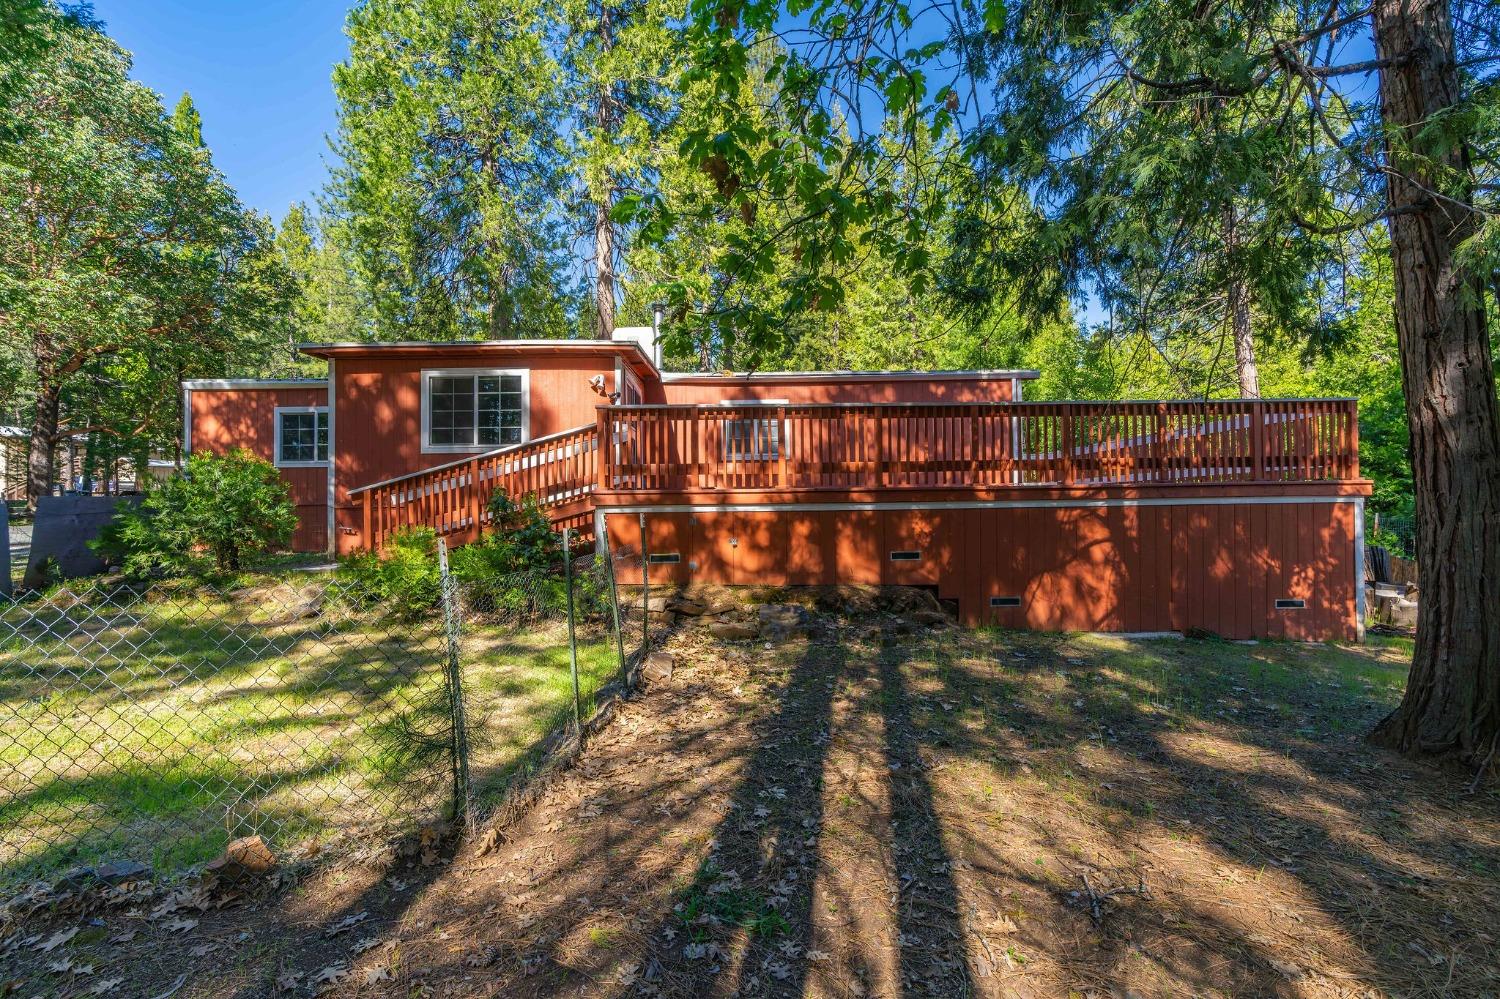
(156, 729)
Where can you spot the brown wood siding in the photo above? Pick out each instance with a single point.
(224, 419)
(378, 422)
(1215, 567)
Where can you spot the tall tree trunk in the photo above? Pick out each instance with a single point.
(43, 444)
(605, 119)
(604, 286)
(1239, 314)
(1244, 342)
(500, 318)
(1452, 703)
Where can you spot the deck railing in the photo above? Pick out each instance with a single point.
(900, 446)
(453, 498)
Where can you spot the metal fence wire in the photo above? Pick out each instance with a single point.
(155, 722)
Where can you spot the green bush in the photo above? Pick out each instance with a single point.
(222, 513)
(404, 576)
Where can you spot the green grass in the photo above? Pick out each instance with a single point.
(157, 729)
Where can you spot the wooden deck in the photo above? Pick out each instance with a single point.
(896, 447)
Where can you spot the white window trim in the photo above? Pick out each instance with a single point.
(428, 374)
(781, 437)
(295, 410)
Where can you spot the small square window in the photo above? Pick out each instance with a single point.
(302, 436)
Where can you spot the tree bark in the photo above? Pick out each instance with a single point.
(1452, 704)
(1239, 315)
(605, 119)
(43, 444)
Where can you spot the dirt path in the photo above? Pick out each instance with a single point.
(945, 814)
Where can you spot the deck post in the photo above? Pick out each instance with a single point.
(1258, 440)
(602, 429)
(367, 541)
(1351, 461)
(781, 427)
(475, 507)
(1065, 443)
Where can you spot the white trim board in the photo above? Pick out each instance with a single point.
(224, 384)
(814, 507)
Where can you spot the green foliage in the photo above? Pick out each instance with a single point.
(126, 262)
(449, 132)
(221, 514)
(404, 576)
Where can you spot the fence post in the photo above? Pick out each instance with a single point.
(614, 603)
(572, 638)
(460, 742)
(645, 590)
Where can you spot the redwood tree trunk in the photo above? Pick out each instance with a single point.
(1452, 703)
(1239, 317)
(605, 119)
(43, 444)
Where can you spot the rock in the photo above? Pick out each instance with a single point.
(929, 618)
(733, 631)
(903, 599)
(656, 604)
(659, 666)
(688, 608)
(244, 859)
(781, 614)
(77, 879)
(117, 872)
(775, 634)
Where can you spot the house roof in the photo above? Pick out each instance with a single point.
(794, 377)
(628, 351)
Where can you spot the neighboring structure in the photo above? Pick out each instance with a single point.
(1239, 517)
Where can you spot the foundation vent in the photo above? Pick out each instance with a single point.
(1290, 604)
(906, 556)
(1005, 601)
(664, 558)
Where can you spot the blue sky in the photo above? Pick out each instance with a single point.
(260, 72)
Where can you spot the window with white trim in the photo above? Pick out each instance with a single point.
(752, 438)
(472, 410)
(301, 435)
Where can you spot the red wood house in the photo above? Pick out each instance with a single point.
(1239, 517)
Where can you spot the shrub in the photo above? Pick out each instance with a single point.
(404, 575)
(223, 512)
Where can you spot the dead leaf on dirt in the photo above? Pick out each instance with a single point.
(819, 955)
(122, 938)
(105, 986)
(61, 966)
(347, 923)
(329, 976)
(379, 973)
(203, 950)
(363, 945)
(288, 980)
(56, 940)
(179, 925)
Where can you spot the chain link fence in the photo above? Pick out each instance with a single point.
(155, 722)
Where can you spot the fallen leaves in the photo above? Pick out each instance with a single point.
(347, 923)
(56, 940)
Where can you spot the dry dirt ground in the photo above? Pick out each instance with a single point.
(866, 813)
